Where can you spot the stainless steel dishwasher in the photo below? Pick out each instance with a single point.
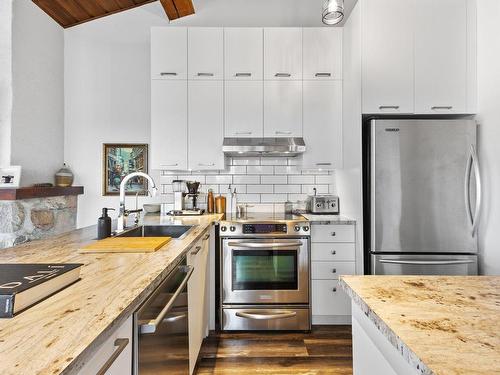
(161, 338)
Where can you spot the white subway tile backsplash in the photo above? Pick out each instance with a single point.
(196, 177)
(273, 198)
(167, 179)
(235, 169)
(301, 179)
(246, 161)
(260, 169)
(249, 198)
(215, 188)
(260, 188)
(288, 189)
(246, 179)
(220, 179)
(297, 197)
(272, 161)
(239, 188)
(320, 189)
(273, 179)
(285, 170)
(328, 179)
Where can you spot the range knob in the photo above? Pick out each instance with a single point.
(223, 228)
(306, 228)
(232, 228)
(296, 228)
(318, 205)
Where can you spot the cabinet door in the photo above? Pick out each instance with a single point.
(441, 56)
(322, 52)
(168, 53)
(169, 125)
(283, 109)
(323, 124)
(243, 49)
(283, 53)
(244, 109)
(206, 53)
(206, 125)
(388, 30)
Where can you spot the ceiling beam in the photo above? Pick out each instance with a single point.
(177, 8)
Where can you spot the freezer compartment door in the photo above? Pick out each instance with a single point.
(421, 193)
(448, 265)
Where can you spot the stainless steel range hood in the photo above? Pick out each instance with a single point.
(263, 146)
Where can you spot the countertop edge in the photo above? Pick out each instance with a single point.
(408, 355)
(79, 361)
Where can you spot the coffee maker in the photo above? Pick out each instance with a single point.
(186, 204)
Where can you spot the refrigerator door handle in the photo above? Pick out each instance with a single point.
(477, 175)
(467, 188)
(426, 262)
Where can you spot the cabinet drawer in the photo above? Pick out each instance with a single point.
(331, 270)
(122, 364)
(332, 233)
(333, 251)
(328, 298)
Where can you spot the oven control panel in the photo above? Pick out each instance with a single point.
(267, 229)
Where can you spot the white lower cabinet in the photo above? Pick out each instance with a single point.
(333, 253)
(116, 352)
(198, 298)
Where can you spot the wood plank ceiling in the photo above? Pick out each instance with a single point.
(69, 13)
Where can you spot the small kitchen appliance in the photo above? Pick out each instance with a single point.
(324, 204)
(186, 204)
(178, 187)
(265, 264)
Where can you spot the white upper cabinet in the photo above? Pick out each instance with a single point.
(441, 56)
(206, 53)
(243, 50)
(206, 125)
(168, 53)
(169, 126)
(243, 109)
(323, 124)
(283, 108)
(322, 48)
(388, 61)
(283, 53)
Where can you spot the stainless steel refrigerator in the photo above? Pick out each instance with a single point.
(424, 193)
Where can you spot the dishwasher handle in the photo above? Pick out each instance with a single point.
(152, 325)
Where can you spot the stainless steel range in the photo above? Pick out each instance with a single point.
(265, 273)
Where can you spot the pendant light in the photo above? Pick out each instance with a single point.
(333, 12)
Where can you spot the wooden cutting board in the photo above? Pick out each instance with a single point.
(126, 245)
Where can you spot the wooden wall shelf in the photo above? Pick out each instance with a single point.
(38, 192)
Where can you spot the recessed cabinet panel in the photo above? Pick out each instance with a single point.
(243, 50)
(388, 56)
(283, 53)
(283, 108)
(168, 53)
(244, 109)
(169, 126)
(206, 125)
(323, 124)
(206, 53)
(441, 56)
(322, 48)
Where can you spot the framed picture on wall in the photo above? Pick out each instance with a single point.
(120, 160)
(10, 177)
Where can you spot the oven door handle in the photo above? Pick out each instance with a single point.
(266, 314)
(265, 245)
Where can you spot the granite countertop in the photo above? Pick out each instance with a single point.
(329, 219)
(59, 334)
(439, 324)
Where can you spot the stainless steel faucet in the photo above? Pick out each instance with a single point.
(123, 213)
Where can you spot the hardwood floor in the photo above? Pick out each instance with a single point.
(326, 350)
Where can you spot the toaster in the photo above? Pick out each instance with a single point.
(324, 204)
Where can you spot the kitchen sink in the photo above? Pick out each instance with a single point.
(174, 231)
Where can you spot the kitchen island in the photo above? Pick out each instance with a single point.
(425, 324)
(60, 334)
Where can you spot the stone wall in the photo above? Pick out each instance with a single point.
(31, 219)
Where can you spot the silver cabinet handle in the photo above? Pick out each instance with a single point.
(448, 107)
(334, 252)
(242, 133)
(196, 251)
(243, 75)
(168, 73)
(206, 165)
(324, 164)
(334, 270)
(152, 325)
(169, 165)
(266, 314)
(280, 132)
(472, 162)
(426, 262)
(120, 345)
(205, 74)
(267, 245)
(389, 107)
(323, 75)
(283, 75)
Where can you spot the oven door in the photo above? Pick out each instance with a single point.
(265, 271)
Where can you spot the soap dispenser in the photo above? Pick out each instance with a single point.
(104, 224)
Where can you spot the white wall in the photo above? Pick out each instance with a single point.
(107, 78)
(38, 98)
(489, 132)
(5, 80)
